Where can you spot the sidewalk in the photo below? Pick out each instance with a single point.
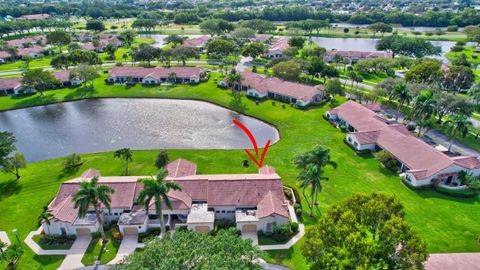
(4, 238)
(453, 261)
(127, 247)
(73, 260)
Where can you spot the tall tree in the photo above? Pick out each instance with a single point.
(234, 79)
(456, 125)
(145, 52)
(91, 194)
(59, 38)
(216, 26)
(413, 47)
(254, 49)
(424, 107)
(364, 232)
(175, 40)
(12, 164)
(287, 70)
(312, 164)
(85, 73)
(474, 92)
(402, 95)
(128, 36)
(38, 79)
(157, 190)
(126, 155)
(95, 25)
(7, 146)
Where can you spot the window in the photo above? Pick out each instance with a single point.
(218, 212)
(269, 227)
(116, 214)
(64, 232)
(223, 212)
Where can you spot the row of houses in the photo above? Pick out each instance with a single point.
(253, 201)
(276, 49)
(419, 163)
(355, 56)
(13, 86)
(260, 86)
(158, 75)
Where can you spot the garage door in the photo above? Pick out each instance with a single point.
(130, 230)
(202, 229)
(249, 228)
(83, 231)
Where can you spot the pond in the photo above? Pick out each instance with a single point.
(99, 125)
(159, 40)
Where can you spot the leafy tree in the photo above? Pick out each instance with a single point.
(364, 232)
(290, 53)
(315, 66)
(470, 180)
(162, 159)
(234, 78)
(389, 84)
(380, 27)
(313, 52)
(243, 33)
(297, 42)
(226, 250)
(145, 52)
(182, 54)
(128, 36)
(402, 95)
(287, 70)
(146, 24)
(157, 190)
(7, 146)
(312, 164)
(71, 163)
(91, 194)
(261, 26)
(38, 79)
(12, 164)
(59, 38)
(175, 40)
(457, 125)
(330, 72)
(216, 26)
(85, 73)
(461, 60)
(457, 78)
(95, 25)
(424, 107)
(84, 57)
(60, 61)
(474, 92)
(110, 50)
(334, 88)
(412, 47)
(254, 49)
(220, 48)
(473, 33)
(126, 155)
(425, 71)
(12, 254)
(26, 60)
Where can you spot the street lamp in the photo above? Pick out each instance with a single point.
(15, 232)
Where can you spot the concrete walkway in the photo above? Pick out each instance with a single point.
(453, 261)
(127, 247)
(4, 239)
(252, 236)
(37, 249)
(73, 260)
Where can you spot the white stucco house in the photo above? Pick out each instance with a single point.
(152, 76)
(252, 201)
(420, 164)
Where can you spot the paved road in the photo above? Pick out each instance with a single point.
(244, 63)
(361, 85)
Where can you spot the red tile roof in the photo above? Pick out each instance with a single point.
(5, 54)
(270, 205)
(266, 170)
(21, 41)
(33, 49)
(10, 83)
(422, 159)
(90, 173)
(196, 42)
(280, 44)
(265, 84)
(181, 167)
(34, 17)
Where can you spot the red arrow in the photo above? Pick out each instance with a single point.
(254, 142)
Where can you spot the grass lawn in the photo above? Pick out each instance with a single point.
(95, 246)
(446, 224)
(468, 51)
(35, 63)
(265, 240)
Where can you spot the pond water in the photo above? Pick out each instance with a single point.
(403, 28)
(98, 125)
(160, 39)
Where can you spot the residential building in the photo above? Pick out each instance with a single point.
(64, 78)
(33, 17)
(260, 86)
(156, 75)
(199, 42)
(354, 56)
(419, 163)
(34, 40)
(34, 51)
(253, 201)
(5, 57)
(10, 86)
(261, 38)
(276, 49)
(13, 86)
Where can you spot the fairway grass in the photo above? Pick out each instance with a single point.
(446, 224)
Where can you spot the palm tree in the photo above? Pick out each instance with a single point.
(474, 92)
(402, 95)
(424, 106)
(126, 155)
(91, 194)
(157, 189)
(172, 76)
(234, 79)
(457, 124)
(312, 164)
(45, 217)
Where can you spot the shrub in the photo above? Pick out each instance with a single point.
(245, 163)
(410, 127)
(343, 128)
(298, 212)
(416, 33)
(96, 235)
(254, 69)
(281, 233)
(294, 227)
(383, 156)
(119, 64)
(71, 163)
(288, 194)
(452, 28)
(428, 33)
(297, 206)
(162, 159)
(457, 48)
(391, 165)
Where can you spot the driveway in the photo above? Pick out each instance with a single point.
(73, 260)
(244, 63)
(453, 261)
(127, 247)
(251, 235)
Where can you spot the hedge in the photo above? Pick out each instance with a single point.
(465, 193)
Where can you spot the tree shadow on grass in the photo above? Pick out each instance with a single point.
(35, 101)
(48, 260)
(9, 188)
(80, 93)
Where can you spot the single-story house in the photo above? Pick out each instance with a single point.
(261, 38)
(34, 40)
(5, 57)
(65, 80)
(33, 17)
(277, 48)
(354, 56)
(419, 163)
(199, 42)
(10, 86)
(34, 51)
(156, 75)
(13, 86)
(260, 86)
(253, 201)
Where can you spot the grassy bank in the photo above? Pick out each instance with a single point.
(446, 224)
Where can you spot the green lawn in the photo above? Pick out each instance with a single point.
(446, 224)
(468, 51)
(94, 248)
(18, 65)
